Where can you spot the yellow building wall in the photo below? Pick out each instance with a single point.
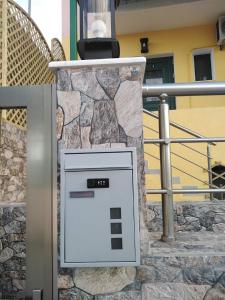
(181, 43)
(208, 122)
(66, 46)
(204, 115)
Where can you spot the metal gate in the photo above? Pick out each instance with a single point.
(41, 265)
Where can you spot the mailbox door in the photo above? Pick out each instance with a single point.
(99, 221)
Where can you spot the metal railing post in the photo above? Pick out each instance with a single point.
(209, 156)
(166, 172)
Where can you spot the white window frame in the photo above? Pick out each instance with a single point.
(205, 51)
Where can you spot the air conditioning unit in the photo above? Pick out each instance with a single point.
(220, 30)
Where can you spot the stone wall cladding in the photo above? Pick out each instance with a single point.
(12, 164)
(182, 278)
(12, 251)
(201, 216)
(100, 108)
(92, 109)
(12, 215)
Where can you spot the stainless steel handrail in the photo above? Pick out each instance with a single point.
(190, 161)
(184, 191)
(195, 134)
(175, 125)
(162, 92)
(208, 155)
(184, 140)
(195, 150)
(191, 148)
(184, 89)
(182, 171)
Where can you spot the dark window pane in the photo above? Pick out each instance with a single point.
(203, 70)
(116, 228)
(159, 70)
(115, 213)
(152, 78)
(116, 243)
(218, 180)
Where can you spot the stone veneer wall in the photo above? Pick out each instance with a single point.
(12, 163)
(12, 211)
(100, 107)
(12, 251)
(159, 277)
(197, 217)
(93, 105)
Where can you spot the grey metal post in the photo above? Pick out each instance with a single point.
(166, 172)
(0, 128)
(209, 156)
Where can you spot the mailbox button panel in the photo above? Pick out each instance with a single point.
(116, 228)
(115, 213)
(117, 243)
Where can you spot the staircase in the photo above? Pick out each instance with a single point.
(191, 163)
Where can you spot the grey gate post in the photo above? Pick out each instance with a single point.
(166, 172)
(41, 207)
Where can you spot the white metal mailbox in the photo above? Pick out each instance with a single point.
(99, 208)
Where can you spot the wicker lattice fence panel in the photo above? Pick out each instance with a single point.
(1, 42)
(18, 117)
(28, 53)
(57, 50)
(24, 54)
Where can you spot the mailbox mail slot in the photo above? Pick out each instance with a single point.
(99, 208)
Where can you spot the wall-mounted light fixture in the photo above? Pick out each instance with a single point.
(144, 45)
(97, 29)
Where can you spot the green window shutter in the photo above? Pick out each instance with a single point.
(73, 29)
(158, 71)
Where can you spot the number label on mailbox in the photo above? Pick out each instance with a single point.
(98, 183)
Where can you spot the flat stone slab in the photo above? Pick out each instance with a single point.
(103, 280)
(174, 291)
(187, 244)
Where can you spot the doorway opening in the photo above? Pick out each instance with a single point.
(158, 71)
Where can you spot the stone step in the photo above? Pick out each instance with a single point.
(188, 243)
(174, 291)
(190, 187)
(152, 171)
(175, 179)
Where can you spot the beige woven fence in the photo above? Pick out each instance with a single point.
(24, 54)
(57, 50)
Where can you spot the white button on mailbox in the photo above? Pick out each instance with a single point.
(99, 208)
